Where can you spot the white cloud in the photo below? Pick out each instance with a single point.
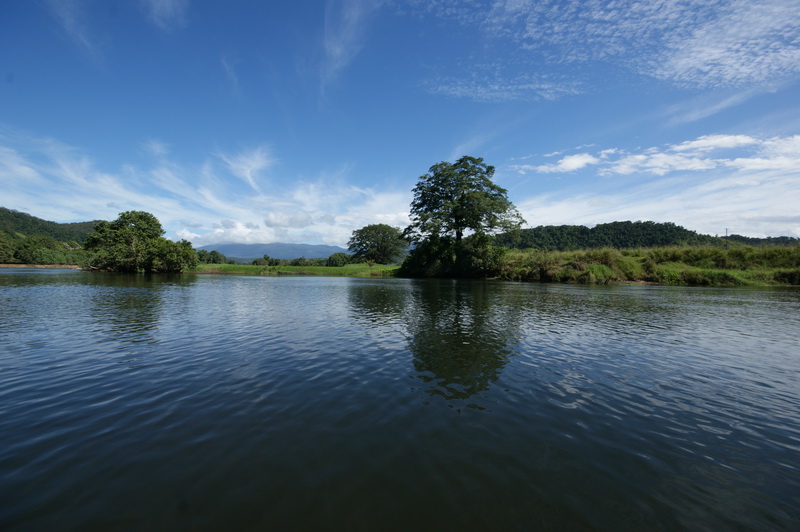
(691, 43)
(783, 146)
(287, 218)
(749, 185)
(746, 42)
(760, 205)
(569, 163)
(248, 164)
(715, 142)
(57, 182)
(658, 163)
(741, 151)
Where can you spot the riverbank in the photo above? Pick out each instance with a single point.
(677, 266)
(350, 270)
(43, 266)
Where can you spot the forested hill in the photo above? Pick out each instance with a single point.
(19, 224)
(621, 235)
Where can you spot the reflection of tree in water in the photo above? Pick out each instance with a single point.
(462, 335)
(128, 308)
(377, 302)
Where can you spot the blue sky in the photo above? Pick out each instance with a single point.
(256, 121)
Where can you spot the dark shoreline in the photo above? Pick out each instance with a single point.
(43, 266)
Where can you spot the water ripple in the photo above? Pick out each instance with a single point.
(224, 402)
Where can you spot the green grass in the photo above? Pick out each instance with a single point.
(351, 270)
(695, 266)
(684, 266)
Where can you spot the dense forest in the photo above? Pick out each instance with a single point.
(20, 225)
(622, 235)
(26, 239)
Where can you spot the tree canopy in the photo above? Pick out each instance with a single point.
(378, 243)
(134, 243)
(455, 198)
(455, 209)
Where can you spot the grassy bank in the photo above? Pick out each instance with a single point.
(695, 266)
(351, 270)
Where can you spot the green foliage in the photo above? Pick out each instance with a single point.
(454, 198)
(350, 270)
(615, 234)
(768, 241)
(44, 250)
(456, 207)
(787, 276)
(134, 243)
(171, 257)
(431, 257)
(378, 243)
(6, 249)
(698, 266)
(739, 258)
(211, 257)
(338, 260)
(302, 261)
(17, 223)
(35, 249)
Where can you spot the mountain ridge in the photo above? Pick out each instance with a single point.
(276, 250)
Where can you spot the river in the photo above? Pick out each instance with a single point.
(246, 403)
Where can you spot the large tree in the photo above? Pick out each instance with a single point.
(454, 198)
(378, 243)
(456, 207)
(134, 243)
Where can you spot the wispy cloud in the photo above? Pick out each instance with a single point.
(490, 86)
(693, 43)
(344, 33)
(229, 67)
(746, 42)
(709, 104)
(156, 148)
(71, 15)
(55, 181)
(247, 165)
(166, 14)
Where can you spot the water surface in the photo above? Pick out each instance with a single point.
(216, 402)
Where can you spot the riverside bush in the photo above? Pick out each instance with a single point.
(701, 266)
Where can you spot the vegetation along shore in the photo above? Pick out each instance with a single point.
(462, 226)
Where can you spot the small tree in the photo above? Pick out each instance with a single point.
(378, 243)
(338, 260)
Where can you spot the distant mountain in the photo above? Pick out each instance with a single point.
(275, 250)
(19, 224)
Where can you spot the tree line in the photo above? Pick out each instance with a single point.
(462, 225)
(620, 235)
